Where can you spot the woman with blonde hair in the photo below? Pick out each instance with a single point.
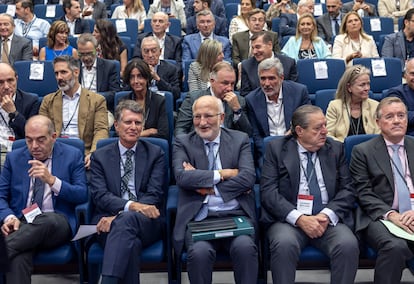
(352, 112)
(131, 9)
(306, 44)
(57, 42)
(210, 52)
(353, 42)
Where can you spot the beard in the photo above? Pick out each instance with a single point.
(66, 85)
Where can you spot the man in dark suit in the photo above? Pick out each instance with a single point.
(48, 179)
(19, 48)
(93, 10)
(97, 74)
(307, 198)
(222, 80)
(217, 7)
(220, 27)
(363, 8)
(214, 169)
(382, 169)
(269, 112)
(288, 22)
(127, 187)
(205, 24)
(164, 74)
(170, 44)
(242, 43)
(262, 48)
(329, 23)
(72, 17)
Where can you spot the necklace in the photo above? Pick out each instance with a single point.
(60, 52)
(356, 46)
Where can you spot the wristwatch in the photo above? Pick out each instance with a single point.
(13, 115)
(237, 112)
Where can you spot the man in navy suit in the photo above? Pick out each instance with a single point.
(127, 187)
(270, 108)
(217, 7)
(288, 22)
(72, 17)
(205, 24)
(97, 74)
(48, 179)
(170, 44)
(212, 188)
(262, 48)
(307, 198)
(164, 74)
(220, 23)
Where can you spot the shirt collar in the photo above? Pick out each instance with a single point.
(123, 149)
(77, 93)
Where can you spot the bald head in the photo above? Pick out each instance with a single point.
(159, 24)
(40, 137)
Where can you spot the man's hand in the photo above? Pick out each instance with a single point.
(104, 225)
(148, 132)
(7, 104)
(39, 170)
(313, 226)
(148, 210)
(404, 221)
(88, 161)
(206, 191)
(12, 225)
(153, 73)
(232, 101)
(187, 166)
(228, 173)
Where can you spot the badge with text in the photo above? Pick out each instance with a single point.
(412, 200)
(31, 212)
(305, 204)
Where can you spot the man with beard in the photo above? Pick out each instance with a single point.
(330, 22)
(270, 108)
(76, 112)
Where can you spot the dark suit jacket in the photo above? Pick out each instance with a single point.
(155, 113)
(27, 105)
(99, 10)
(294, 95)
(235, 153)
(281, 176)
(184, 123)
(241, 46)
(172, 49)
(107, 82)
(106, 178)
(288, 24)
(169, 79)
(81, 26)
(191, 45)
(406, 94)
(20, 49)
(373, 179)
(325, 28)
(250, 78)
(347, 7)
(67, 165)
(394, 46)
(219, 29)
(217, 7)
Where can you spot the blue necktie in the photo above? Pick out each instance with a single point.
(336, 26)
(202, 214)
(128, 167)
(313, 185)
(404, 203)
(38, 192)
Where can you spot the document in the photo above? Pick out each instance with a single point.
(84, 231)
(397, 231)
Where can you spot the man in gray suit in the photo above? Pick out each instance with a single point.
(400, 44)
(382, 169)
(363, 8)
(214, 170)
(307, 199)
(329, 23)
(18, 47)
(222, 80)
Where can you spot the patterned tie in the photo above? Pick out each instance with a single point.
(38, 191)
(202, 214)
(313, 185)
(404, 203)
(128, 167)
(5, 51)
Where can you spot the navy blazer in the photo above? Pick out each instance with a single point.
(26, 105)
(169, 80)
(67, 165)
(191, 45)
(250, 78)
(281, 176)
(294, 96)
(220, 27)
(172, 47)
(105, 180)
(81, 25)
(347, 7)
(235, 153)
(288, 24)
(406, 94)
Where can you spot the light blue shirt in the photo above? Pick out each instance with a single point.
(34, 30)
(131, 182)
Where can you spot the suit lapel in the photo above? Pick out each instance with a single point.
(140, 164)
(84, 102)
(58, 111)
(383, 161)
(290, 158)
(328, 167)
(201, 160)
(260, 100)
(409, 148)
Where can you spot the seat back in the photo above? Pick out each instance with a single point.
(186, 68)
(324, 97)
(231, 9)
(48, 12)
(353, 140)
(131, 29)
(174, 29)
(371, 26)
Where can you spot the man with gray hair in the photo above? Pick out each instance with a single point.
(307, 199)
(270, 108)
(288, 22)
(97, 74)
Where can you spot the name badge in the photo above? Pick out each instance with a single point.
(31, 212)
(305, 204)
(10, 141)
(412, 200)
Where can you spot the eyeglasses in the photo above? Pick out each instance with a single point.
(85, 54)
(209, 117)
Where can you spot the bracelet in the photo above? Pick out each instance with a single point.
(221, 175)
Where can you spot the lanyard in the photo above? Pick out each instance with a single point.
(73, 114)
(6, 123)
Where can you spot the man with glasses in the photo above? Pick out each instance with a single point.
(75, 111)
(382, 170)
(97, 74)
(214, 170)
(222, 80)
(329, 23)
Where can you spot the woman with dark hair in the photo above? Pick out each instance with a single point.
(137, 76)
(110, 46)
(57, 42)
(239, 22)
